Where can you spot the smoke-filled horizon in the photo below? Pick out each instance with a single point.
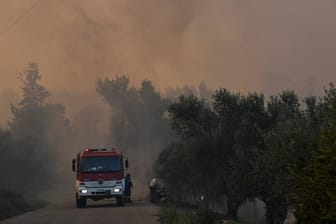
(237, 44)
(264, 46)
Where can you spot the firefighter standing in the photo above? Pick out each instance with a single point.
(128, 188)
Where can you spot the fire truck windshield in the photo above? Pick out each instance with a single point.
(100, 164)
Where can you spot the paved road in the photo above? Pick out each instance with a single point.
(139, 212)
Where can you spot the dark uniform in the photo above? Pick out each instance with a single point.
(128, 188)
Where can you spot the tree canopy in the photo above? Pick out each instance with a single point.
(244, 147)
(36, 130)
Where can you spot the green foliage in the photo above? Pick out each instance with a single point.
(242, 149)
(172, 215)
(315, 194)
(191, 117)
(286, 145)
(195, 122)
(273, 181)
(241, 127)
(218, 147)
(175, 165)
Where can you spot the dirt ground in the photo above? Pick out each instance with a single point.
(139, 212)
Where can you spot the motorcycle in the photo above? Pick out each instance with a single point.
(158, 194)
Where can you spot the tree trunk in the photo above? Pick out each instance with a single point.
(232, 210)
(269, 215)
(275, 214)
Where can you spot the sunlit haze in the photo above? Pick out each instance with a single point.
(265, 46)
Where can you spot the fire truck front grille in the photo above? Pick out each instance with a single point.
(99, 193)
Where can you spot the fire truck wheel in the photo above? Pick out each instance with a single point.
(120, 201)
(80, 202)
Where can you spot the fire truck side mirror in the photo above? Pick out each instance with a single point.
(126, 163)
(73, 165)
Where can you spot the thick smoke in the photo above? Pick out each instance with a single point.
(224, 43)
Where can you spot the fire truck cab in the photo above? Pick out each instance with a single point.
(99, 175)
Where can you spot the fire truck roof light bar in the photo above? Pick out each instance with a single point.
(100, 150)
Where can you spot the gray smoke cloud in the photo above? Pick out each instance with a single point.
(236, 44)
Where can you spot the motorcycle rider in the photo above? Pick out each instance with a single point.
(153, 187)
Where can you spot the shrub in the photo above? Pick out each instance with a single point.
(11, 204)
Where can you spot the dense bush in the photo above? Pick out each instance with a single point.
(173, 215)
(11, 204)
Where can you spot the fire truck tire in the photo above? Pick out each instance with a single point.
(120, 201)
(80, 202)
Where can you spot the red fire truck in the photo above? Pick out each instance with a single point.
(99, 175)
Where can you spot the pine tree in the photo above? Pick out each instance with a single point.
(28, 116)
(38, 129)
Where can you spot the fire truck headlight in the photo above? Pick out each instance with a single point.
(116, 190)
(84, 191)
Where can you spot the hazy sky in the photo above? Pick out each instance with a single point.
(256, 45)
